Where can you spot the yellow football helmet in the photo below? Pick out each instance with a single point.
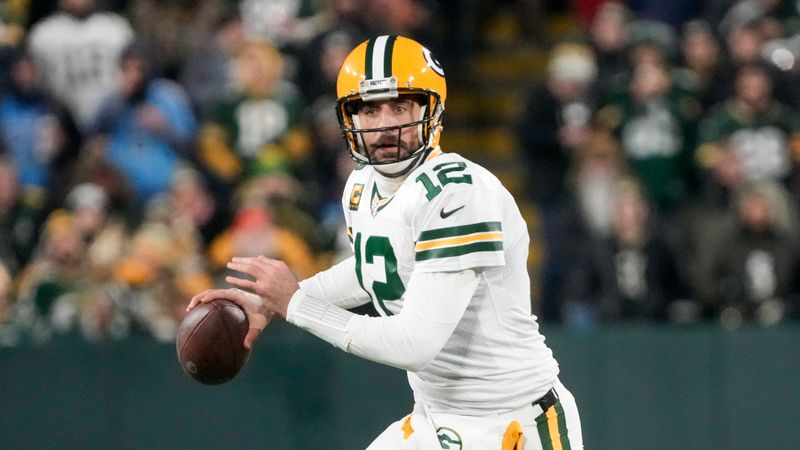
(387, 67)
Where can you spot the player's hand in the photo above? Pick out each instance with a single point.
(258, 316)
(273, 281)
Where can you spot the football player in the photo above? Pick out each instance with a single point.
(440, 249)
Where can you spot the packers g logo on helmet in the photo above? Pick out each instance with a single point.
(433, 62)
(387, 67)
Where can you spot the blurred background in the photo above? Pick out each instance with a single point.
(653, 148)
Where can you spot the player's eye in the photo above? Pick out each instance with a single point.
(369, 111)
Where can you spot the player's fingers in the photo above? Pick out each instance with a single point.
(254, 270)
(220, 294)
(252, 259)
(250, 337)
(197, 299)
(258, 262)
(241, 282)
(192, 303)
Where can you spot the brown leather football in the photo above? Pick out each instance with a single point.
(210, 342)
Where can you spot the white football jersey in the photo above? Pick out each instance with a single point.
(451, 214)
(79, 58)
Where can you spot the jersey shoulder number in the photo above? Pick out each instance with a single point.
(458, 225)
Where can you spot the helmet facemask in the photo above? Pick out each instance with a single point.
(382, 69)
(428, 126)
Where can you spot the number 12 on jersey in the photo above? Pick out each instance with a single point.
(448, 172)
(379, 291)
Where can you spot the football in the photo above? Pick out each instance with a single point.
(210, 342)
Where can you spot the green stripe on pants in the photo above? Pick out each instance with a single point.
(562, 427)
(544, 433)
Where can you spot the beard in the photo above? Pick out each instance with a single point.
(389, 149)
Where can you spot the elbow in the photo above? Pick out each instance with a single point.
(419, 363)
(420, 356)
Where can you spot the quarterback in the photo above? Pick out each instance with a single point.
(440, 250)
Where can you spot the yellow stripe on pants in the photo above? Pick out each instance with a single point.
(552, 427)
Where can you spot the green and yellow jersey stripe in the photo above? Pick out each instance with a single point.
(459, 240)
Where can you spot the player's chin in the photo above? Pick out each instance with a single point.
(383, 155)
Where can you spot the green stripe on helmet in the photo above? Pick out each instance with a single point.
(368, 62)
(387, 56)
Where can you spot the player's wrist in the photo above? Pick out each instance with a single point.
(293, 304)
(321, 318)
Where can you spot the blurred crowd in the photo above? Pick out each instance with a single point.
(664, 155)
(143, 143)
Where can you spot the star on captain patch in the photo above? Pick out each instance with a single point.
(355, 196)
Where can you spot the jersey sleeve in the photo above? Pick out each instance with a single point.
(461, 226)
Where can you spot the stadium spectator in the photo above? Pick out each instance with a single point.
(319, 173)
(557, 121)
(47, 284)
(149, 123)
(319, 61)
(258, 130)
(78, 49)
(750, 137)
(672, 13)
(596, 172)
(286, 24)
(39, 134)
(744, 44)
(608, 35)
(93, 166)
(702, 64)
(331, 166)
(174, 29)
(650, 41)
(405, 17)
(195, 204)
(164, 262)
(269, 128)
(103, 232)
(556, 124)
(655, 123)
(21, 215)
(207, 73)
(585, 214)
(13, 21)
(260, 227)
(755, 264)
(633, 274)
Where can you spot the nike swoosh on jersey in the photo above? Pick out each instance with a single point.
(445, 214)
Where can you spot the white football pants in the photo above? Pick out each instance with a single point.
(557, 428)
